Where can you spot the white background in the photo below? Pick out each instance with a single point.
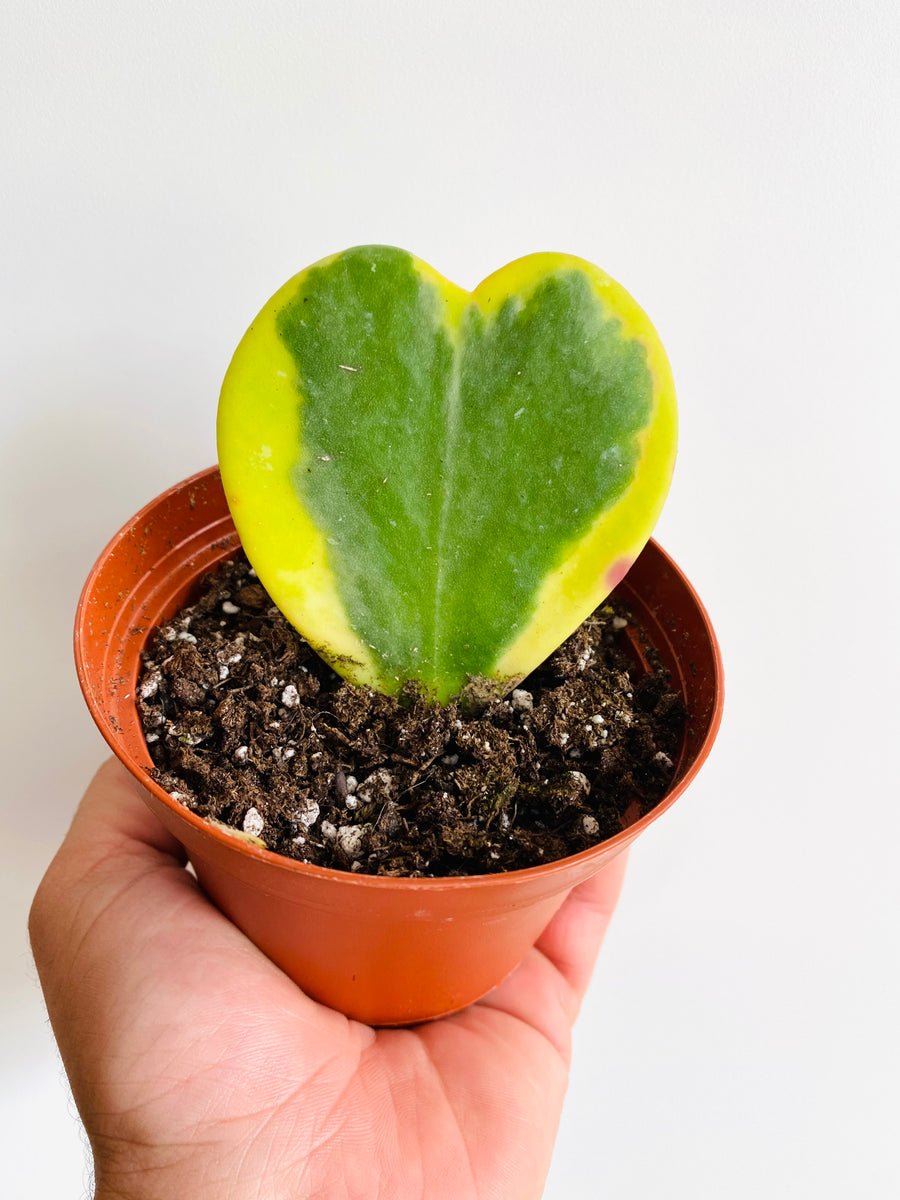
(166, 167)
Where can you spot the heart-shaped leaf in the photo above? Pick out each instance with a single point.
(435, 484)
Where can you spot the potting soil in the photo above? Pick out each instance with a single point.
(247, 726)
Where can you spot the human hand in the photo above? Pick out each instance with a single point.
(200, 1070)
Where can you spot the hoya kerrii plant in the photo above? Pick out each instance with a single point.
(437, 486)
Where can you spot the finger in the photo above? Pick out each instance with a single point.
(112, 815)
(573, 938)
(116, 913)
(547, 988)
(113, 845)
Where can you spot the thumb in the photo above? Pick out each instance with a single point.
(114, 847)
(117, 916)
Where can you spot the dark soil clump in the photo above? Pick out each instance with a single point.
(247, 726)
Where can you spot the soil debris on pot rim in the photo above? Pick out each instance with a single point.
(248, 727)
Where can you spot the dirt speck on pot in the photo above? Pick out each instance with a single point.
(248, 727)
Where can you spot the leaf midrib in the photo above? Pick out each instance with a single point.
(448, 483)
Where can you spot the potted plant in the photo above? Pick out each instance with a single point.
(435, 487)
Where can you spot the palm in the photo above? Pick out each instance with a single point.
(193, 1058)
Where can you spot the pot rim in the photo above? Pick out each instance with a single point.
(234, 840)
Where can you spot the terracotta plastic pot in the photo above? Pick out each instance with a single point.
(385, 951)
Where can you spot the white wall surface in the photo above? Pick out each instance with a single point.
(166, 166)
